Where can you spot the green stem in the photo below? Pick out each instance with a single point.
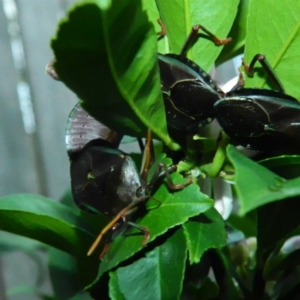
(213, 169)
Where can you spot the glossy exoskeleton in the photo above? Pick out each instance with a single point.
(92, 148)
(261, 119)
(189, 92)
(103, 178)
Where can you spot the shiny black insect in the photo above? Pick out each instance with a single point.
(260, 119)
(105, 179)
(189, 92)
(89, 144)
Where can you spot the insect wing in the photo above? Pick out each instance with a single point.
(82, 128)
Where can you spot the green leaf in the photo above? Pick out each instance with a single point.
(207, 231)
(153, 15)
(63, 274)
(45, 220)
(237, 33)
(12, 242)
(279, 43)
(256, 185)
(247, 223)
(109, 59)
(67, 200)
(159, 159)
(286, 166)
(152, 12)
(175, 209)
(114, 289)
(179, 17)
(22, 290)
(159, 274)
(81, 296)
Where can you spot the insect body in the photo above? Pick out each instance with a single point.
(105, 179)
(261, 119)
(189, 92)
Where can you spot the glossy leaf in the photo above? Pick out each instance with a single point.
(204, 232)
(151, 9)
(237, 33)
(246, 223)
(256, 185)
(286, 166)
(22, 290)
(279, 43)
(93, 221)
(63, 274)
(45, 220)
(159, 159)
(159, 274)
(175, 209)
(114, 289)
(153, 15)
(12, 242)
(80, 296)
(179, 17)
(109, 59)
